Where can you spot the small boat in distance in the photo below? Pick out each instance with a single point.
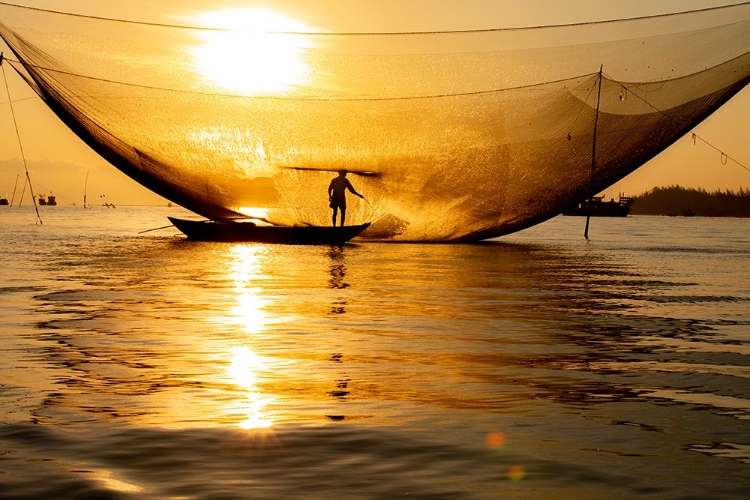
(249, 231)
(600, 208)
(4, 198)
(49, 201)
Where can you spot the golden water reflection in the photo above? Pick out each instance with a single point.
(245, 273)
(246, 368)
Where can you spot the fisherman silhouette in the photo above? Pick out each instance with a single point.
(337, 195)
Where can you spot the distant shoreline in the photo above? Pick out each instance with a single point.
(678, 201)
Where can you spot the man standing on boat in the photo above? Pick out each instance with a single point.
(337, 195)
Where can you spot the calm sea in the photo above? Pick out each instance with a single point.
(538, 365)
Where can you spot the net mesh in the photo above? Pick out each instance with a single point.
(454, 135)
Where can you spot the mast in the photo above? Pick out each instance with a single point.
(593, 150)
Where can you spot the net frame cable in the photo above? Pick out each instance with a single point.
(381, 33)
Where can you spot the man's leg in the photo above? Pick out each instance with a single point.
(335, 211)
(343, 215)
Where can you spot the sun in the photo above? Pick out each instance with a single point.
(252, 51)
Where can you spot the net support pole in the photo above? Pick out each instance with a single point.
(15, 188)
(593, 150)
(85, 187)
(23, 191)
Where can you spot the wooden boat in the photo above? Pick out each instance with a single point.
(248, 231)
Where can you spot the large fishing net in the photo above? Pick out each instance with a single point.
(458, 135)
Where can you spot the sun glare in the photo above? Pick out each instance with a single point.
(244, 367)
(252, 51)
(254, 212)
(249, 310)
(244, 370)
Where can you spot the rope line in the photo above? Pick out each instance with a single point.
(20, 145)
(583, 105)
(23, 98)
(724, 157)
(383, 33)
(278, 98)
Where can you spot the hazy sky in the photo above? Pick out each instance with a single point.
(59, 161)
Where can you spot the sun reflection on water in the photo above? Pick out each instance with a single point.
(245, 272)
(246, 367)
(249, 310)
(244, 370)
(108, 480)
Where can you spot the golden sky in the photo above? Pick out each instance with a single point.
(62, 161)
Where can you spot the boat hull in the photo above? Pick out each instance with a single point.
(244, 231)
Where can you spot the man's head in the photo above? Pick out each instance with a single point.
(342, 173)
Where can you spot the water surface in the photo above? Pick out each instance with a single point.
(538, 365)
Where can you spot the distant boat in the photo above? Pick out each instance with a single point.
(597, 207)
(688, 212)
(248, 231)
(48, 201)
(3, 201)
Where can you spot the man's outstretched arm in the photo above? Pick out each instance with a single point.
(351, 189)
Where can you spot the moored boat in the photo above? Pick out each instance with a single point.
(597, 207)
(50, 200)
(248, 231)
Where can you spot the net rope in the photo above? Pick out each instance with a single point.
(381, 33)
(724, 156)
(282, 98)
